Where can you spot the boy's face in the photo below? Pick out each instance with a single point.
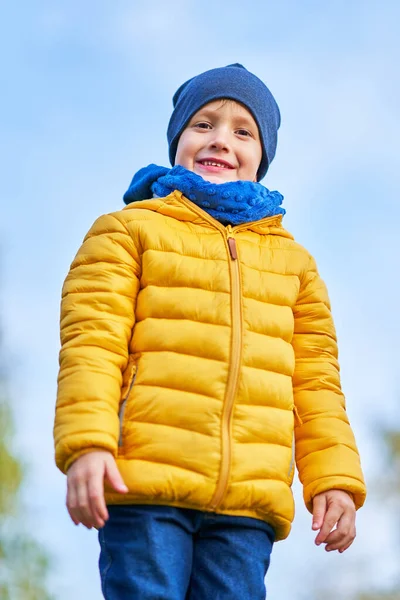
(221, 143)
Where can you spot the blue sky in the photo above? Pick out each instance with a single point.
(86, 97)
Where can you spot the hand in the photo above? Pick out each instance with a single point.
(85, 487)
(330, 509)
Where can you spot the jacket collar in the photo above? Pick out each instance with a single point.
(178, 207)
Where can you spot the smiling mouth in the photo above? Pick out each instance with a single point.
(220, 164)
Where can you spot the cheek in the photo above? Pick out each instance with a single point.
(249, 167)
(179, 154)
(185, 151)
(253, 163)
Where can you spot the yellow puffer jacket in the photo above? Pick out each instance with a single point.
(194, 352)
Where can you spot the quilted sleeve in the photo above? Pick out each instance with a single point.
(326, 452)
(97, 317)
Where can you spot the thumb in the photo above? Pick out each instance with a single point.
(113, 476)
(319, 510)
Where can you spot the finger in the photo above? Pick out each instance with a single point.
(342, 545)
(84, 511)
(96, 499)
(114, 478)
(72, 503)
(341, 550)
(342, 536)
(319, 509)
(76, 496)
(331, 518)
(344, 528)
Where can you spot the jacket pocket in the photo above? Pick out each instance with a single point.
(131, 371)
(299, 422)
(290, 472)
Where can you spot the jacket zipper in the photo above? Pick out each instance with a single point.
(233, 379)
(122, 410)
(232, 385)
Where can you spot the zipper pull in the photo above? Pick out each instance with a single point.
(232, 248)
(297, 416)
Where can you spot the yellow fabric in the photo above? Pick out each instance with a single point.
(189, 365)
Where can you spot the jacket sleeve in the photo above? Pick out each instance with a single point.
(97, 318)
(326, 452)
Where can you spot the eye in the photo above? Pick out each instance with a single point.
(202, 125)
(244, 132)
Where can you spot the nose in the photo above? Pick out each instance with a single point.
(219, 140)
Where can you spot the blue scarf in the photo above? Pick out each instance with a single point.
(234, 202)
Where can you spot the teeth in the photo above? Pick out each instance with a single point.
(210, 163)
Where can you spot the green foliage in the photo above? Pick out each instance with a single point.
(23, 570)
(392, 439)
(386, 492)
(23, 563)
(392, 489)
(10, 468)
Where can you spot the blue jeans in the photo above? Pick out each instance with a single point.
(166, 553)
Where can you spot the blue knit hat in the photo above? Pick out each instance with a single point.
(233, 82)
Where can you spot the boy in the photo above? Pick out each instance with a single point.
(197, 340)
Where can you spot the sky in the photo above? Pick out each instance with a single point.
(86, 94)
